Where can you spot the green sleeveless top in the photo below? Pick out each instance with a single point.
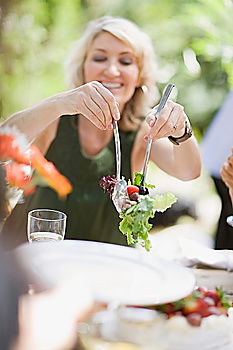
(91, 214)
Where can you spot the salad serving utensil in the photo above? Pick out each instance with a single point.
(161, 105)
(120, 196)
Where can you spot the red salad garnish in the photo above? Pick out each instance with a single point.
(107, 183)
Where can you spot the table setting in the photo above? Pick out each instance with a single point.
(131, 284)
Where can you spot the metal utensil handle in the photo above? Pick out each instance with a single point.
(162, 103)
(164, 98)
(146, 161)
(117, 149)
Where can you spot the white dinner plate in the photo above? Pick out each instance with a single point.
(114, 273)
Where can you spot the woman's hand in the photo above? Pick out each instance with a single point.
(171, 121)
(93, 101)
(227, 174)
(48, 320)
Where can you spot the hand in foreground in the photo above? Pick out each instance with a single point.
(227, 174)
(93, 101)
(48, 320)
(171, 121)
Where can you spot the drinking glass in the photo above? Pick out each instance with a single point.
(46, 225)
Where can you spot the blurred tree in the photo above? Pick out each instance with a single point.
(193, 41)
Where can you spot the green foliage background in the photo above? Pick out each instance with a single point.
(193, 40)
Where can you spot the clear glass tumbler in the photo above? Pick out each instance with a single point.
(46, 225)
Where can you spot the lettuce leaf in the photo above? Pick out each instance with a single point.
(134, 223)
(138, 178)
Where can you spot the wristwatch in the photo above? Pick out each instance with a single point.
(187, 134)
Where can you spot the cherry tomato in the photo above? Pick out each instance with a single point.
(132, 189)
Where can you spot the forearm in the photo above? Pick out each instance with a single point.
(32, 121)
(182, 161)
(187, 160)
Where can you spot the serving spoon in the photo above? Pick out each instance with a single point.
(120, 196)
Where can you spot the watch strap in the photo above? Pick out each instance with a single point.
(187, 134)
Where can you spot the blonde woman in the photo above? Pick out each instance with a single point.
(112, 74)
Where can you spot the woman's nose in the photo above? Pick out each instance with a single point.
(112, 69)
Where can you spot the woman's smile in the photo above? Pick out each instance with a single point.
(113, 63)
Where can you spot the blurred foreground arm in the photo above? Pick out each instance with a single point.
(48, 320)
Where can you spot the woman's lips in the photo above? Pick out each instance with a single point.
(112, 85)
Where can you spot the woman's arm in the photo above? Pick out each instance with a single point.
(182, 161)
(92, 100)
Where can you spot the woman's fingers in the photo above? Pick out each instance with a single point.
(230, 161)
(94, 113)
(158, 122)
(227, 174)
(102, 103)
(110, 100)
(170, 122)
(96, 103)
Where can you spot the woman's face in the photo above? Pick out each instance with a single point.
(113, 63)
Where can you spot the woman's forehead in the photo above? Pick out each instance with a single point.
(106, 41)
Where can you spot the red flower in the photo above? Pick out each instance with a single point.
(17, 177)
(49, 173)
(14, 146)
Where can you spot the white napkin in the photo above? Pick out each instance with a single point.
(189, 246)
(193, 253)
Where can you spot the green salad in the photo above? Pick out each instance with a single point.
(135, 219)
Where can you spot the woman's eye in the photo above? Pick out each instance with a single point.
(99, 58)
(126, 61)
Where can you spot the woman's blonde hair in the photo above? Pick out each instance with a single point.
(146, 94)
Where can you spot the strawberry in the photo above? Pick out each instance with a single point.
(213, 294)
(194, 320)
(201, 290)
(197, 306)
(218, 311)
(210, 301)
(132, 189)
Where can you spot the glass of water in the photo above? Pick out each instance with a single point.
(46, 225)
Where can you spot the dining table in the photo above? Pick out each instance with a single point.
(48, 260)
(211, 278)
